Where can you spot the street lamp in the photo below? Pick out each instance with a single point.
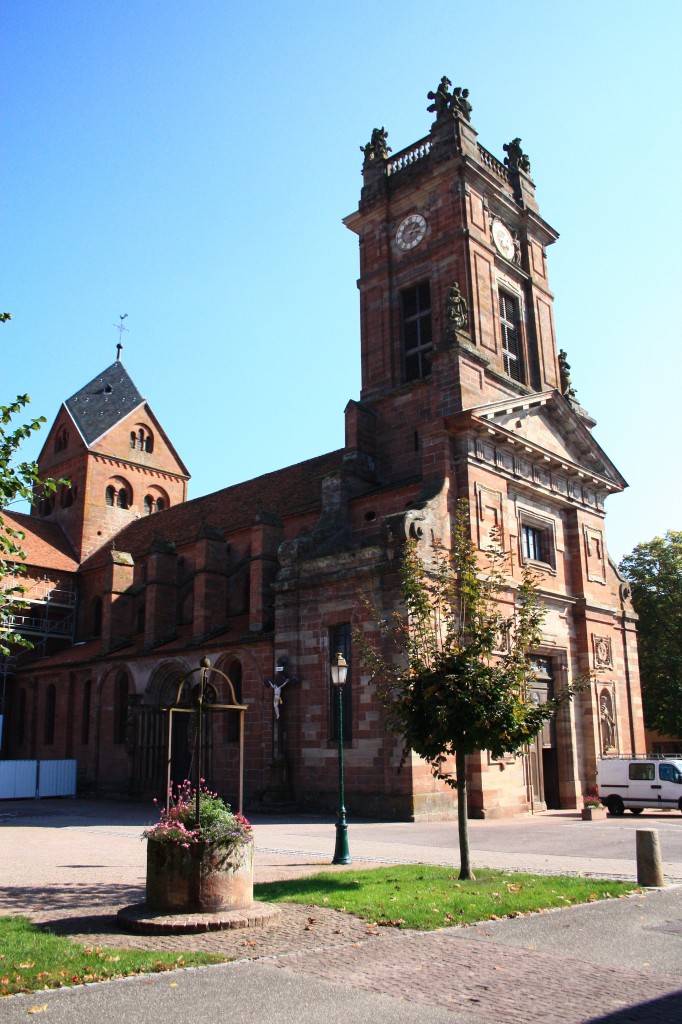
(339, 671)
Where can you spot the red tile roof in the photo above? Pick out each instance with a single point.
(44, 543)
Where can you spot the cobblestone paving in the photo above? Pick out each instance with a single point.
(298, 929)
(501, 984)
(444, 968)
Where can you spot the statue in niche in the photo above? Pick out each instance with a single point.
(456, 309)
(608, 723)
(516, 159)
(567, 389)
(376, 148)
(446, 102)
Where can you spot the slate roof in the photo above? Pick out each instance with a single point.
(44, 543)
(102, 403)
(285, 492)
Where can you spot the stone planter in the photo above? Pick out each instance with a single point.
(203, 877)
(593, 814)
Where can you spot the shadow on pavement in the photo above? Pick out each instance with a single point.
(38, 900)
(666, 1010)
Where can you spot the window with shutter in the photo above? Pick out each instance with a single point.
(417, 331)
(509, 320)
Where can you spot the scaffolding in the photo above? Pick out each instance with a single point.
(47, 610)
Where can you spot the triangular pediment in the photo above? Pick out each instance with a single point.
(546, 425)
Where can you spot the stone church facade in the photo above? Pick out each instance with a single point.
(464, 395)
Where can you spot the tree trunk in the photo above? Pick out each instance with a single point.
(465, 870)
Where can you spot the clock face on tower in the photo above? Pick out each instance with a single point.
(410, 232)
(502, 237)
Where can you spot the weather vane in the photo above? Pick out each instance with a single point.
(120, 328)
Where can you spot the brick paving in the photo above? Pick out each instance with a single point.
(90, 878)
(442, 969)
(501, 984)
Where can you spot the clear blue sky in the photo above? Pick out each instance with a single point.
(189, 164)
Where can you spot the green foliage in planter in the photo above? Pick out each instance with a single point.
(217, 823)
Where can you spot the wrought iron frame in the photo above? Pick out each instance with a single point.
(198, 707)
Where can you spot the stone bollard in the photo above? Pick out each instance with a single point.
(649, 867)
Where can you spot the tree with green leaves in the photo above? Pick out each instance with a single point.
(18, 480)
(654, 571)
(452, 670)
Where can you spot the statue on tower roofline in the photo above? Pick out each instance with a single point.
(567, 389)
(516, 159)
(446, 102)
(376, 148)
(441, 99)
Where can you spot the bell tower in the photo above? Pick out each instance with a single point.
(116, 459)
(455, 304)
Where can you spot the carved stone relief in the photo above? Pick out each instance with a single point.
(603, 655)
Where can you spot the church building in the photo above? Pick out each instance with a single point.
(464, 395)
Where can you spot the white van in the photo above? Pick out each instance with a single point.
(648, 780)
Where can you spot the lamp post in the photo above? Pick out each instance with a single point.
(339, 672)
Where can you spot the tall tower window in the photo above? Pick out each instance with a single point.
(417, 333)
(509, 323)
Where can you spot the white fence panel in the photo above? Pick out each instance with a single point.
(57, 778)
(18, 779)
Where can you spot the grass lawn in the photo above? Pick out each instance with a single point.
(33, 959)
(404, 896)
(424, 897)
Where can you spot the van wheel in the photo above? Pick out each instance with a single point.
(615, 806)
(636, 810)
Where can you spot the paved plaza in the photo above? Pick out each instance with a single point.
(72, 864)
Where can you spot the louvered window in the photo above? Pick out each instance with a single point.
(417, 333)
(509, 321)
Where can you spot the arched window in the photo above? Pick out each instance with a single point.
(234, 673)
(148, 504)
(140, 439)
(110, 495)
(85, 713)
(120, 707)
(160, 504)
(97, 617)
(50, 713)
(66, 496)
(20, 718)
(133, 438)
(61, 440)
(122, 498)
